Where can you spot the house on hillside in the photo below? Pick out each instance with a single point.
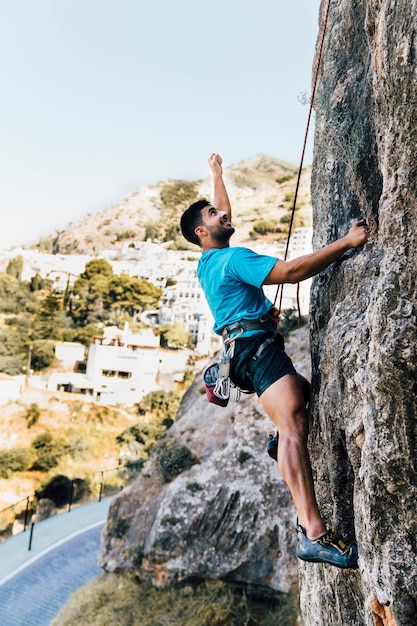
(10, 388)
(185, 303)
(69, 352)
(123, 367)
(61, 269)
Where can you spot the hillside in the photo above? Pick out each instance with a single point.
(259, 188)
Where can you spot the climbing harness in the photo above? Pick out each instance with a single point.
(217, 375)
(279, 292)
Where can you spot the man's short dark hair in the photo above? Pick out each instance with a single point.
(190, 219)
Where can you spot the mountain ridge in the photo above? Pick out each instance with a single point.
(261, 187)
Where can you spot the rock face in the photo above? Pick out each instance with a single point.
(363, 313)
(211, 503)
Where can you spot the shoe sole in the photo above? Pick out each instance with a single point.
(340, 566)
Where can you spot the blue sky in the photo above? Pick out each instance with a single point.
(100, 97)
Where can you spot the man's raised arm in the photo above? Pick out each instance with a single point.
(221, 199)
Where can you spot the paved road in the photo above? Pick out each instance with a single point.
(35, 585)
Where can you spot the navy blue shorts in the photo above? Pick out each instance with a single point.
(255, 373)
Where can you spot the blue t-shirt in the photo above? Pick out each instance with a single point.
(232, 280)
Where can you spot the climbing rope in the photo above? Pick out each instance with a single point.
(280, 287)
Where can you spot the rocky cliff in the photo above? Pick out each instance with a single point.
(363, 314)
(211, 503)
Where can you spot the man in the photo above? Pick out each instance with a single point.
(232, 280)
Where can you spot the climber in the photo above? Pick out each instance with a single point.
(232, 280)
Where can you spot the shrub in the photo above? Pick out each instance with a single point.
(284, 178)
(32, 415)
(298, 221)
(194, 487)
(126, 234)
(48, 451)
(14, 460)
(178, 193)
(262, 227)
(175, 458)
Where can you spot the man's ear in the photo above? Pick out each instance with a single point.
(200, 231)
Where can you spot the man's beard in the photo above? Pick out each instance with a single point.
(221, 234)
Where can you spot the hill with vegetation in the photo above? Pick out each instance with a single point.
(261, 190)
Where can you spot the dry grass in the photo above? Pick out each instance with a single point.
(118, 600)
(74, 420)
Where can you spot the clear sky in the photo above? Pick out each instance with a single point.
(99, 97)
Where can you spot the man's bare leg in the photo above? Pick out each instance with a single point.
(284, 402)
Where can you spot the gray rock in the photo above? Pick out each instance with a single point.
(229, 515)
(364, 427)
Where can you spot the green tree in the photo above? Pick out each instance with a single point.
(13, 350)
(43, 353)
(98, 293)
(49, 318)
(14, 294)
(97, 266)
(89, 291)
(83, 334)
(37, 283)
(174, 336)
(131, 294)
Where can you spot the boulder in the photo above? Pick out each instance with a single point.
(210, 502)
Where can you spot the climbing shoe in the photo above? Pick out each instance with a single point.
(327, 549)
(272, 447)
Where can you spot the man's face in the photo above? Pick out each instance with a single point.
(217, 223)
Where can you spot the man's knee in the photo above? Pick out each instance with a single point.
(296, 425)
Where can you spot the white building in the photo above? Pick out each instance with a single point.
(69, 352)
(61, 269)
(185, 303)
(10, 388)
(300, 243)
(125, 370)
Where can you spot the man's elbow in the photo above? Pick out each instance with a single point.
(281, 274)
